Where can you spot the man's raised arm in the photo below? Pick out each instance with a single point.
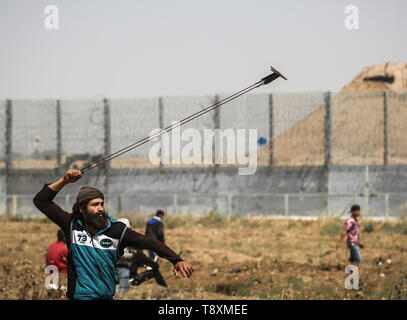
(44, 199)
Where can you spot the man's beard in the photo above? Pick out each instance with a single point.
(98, 222)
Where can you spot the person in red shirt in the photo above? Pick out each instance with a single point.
(57, 253)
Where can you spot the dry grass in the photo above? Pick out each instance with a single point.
(255, 258)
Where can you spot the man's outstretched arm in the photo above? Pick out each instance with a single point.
(137, 240)
(341, 237)
(44, 199)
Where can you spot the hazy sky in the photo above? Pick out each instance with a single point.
(144, 48)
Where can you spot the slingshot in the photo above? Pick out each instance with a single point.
(266, 80)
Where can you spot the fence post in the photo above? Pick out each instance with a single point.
(271, 130)
(216, 123)
(119, 203)
(107, 142)
(286, 204)
(59, 137)
(386, 198)
(191, 207)
(367, 191)
(8, 150)
(230, 205)
(175, 204)
(385, 114)
(15, 204)
(161, 125)
(328, 128)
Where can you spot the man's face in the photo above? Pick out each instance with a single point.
(95, 214)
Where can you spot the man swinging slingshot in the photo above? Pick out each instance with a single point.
(95, 240)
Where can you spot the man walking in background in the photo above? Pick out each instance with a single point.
(155, 230)
(95, 241)
(352, 228)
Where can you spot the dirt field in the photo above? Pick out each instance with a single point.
(236, 259)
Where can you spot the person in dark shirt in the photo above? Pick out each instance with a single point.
(57, 253)
(139, 260)
(155, 230)
(95, 241)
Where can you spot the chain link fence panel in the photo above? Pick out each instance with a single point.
(131, 121)
(298, 129)
(82, 131)
(245, 113)
(191, 135)
(396, 127)
(3, 123)
(357, 128)
(34, 134)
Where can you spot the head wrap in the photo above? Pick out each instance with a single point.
(88, 193)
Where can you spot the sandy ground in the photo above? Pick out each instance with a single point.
(233, 259)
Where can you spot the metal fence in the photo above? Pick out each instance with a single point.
(316, 128)
(389, 205)
(328, 137)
